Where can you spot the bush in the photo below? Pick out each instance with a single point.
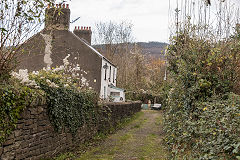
(209, 132)
(202, 115)
(71, 103)
(154, 97)
(143, 96)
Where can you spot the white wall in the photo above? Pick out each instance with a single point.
(110, 79)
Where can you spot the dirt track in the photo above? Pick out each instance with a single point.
(139, 140)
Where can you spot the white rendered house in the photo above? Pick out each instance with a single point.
(109, 91)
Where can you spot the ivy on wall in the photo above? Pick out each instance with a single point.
(71, 103)
(13, 99)
(70, 108)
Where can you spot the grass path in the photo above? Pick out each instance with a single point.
(140, 140)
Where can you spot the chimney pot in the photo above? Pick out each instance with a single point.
(48, 6)
(75, 27)
(63, 5)
(78, 27)
(56, 5)
(67, 6)
(85, 33)
(60, 6)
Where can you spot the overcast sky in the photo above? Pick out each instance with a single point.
(150, 18)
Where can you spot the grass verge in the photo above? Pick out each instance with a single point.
(98, 139)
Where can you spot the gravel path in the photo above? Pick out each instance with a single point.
(139, 140)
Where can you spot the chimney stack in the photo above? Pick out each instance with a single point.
(84, 33)
(57, 17)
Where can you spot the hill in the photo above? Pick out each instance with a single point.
(155, 49)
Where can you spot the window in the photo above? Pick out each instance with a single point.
(115, 94)
(105, 67)
(105, 77)
(110, 72)
(113, 75)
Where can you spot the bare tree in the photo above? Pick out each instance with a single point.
(210, 18)
(115, 39)
(113, 36)
(137, 69)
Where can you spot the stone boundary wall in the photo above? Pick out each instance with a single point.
(34, 137)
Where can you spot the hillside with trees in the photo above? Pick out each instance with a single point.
(156, 49)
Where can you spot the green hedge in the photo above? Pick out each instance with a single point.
(144, 97)
(202, 118)
(210, 132)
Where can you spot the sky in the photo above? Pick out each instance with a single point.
(149, 17)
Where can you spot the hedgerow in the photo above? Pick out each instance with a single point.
(144, 96)
(202, 116)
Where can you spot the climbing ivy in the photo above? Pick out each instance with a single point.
(13, 99)
(71, 108)
(70, 104)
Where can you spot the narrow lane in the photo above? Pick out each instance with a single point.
(140, 140)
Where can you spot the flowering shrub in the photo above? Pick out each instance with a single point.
(66, 75)
(23, 77)
(71, 102)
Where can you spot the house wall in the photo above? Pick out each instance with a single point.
(50, 47)
(34, 137)
(110, 79)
